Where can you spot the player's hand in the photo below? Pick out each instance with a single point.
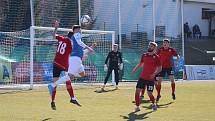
(153, 75)
(85, 56)
(121, 66)
(133, 71)
(93, 45)
(105, 68)
(56, 24)
(90, 49)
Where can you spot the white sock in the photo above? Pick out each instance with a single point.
(74, 98)
(62, 80)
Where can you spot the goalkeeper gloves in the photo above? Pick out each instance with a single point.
(105, 68)
(121, 66)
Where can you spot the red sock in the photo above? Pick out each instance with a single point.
(69, 88)
(137, 99)
(173, 87)
(152, 99)
(158, 88)
(143, 91)
(53, 94)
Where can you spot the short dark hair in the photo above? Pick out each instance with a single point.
(69, 35)
(166, 40)
(75, 27)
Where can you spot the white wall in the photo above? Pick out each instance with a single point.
(168, 14)
(106, 11)
(193, 15)
(133, 13)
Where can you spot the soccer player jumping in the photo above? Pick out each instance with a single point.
(151, 64)
(76, 68)
(166, 54)
(61, 62)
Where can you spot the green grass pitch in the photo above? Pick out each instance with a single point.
(195, 102)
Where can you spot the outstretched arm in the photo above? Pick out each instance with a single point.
(56, 25)
(79, 41)
(137, 67)
(87, 51)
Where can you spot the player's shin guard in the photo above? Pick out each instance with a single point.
(173, 87)
(53, 94)
(137, 99)
(69, 88)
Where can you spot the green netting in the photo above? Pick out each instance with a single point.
(131, 57)
(17, 47)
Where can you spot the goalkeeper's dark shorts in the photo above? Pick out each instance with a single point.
(57, 71)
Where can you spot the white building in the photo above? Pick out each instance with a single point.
(193, 10)
(137, 15)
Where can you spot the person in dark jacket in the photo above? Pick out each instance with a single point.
(115, 63)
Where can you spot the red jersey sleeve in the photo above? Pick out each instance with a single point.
(158, 60)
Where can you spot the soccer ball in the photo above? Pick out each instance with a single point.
(85, 20)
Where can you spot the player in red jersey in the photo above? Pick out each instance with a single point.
(166, 54)
(151, 66)
(61, 63)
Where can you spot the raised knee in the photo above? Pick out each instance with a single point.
(71, 76)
